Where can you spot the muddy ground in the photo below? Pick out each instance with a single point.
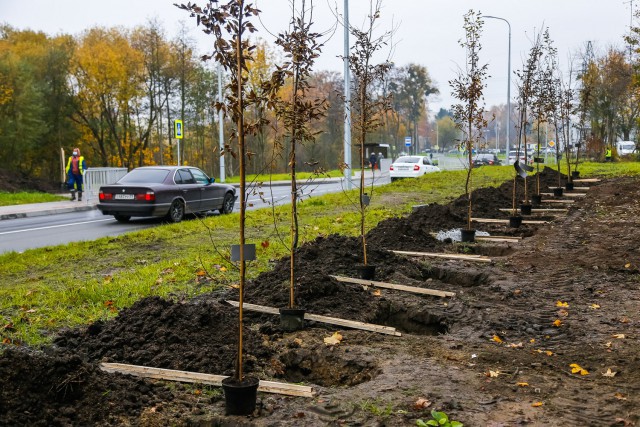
(499, 353)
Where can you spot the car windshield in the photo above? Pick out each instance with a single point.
(408, 159)
(144, 176)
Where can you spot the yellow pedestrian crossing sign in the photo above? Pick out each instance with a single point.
(177, 129)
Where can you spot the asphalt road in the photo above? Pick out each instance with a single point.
(34, 232)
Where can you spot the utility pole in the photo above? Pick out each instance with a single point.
(347, 99)
(221, 125)
(508, 121)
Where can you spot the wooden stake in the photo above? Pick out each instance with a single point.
(196, 377)
(388, 330)
(405, 288)
(478, 258)
(587, 180)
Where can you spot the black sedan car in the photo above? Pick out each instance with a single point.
(486, 159)
(165, 191)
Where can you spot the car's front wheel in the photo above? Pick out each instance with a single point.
(227, 204)
(176, 211)
(122, 218)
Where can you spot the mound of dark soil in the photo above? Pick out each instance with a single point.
(198, 336)
(64, 390)
(316, 291)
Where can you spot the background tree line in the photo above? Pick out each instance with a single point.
(115, 92)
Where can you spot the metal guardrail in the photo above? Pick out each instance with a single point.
(95, 177)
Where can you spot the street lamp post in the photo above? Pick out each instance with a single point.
(508, 82)
(347, 99)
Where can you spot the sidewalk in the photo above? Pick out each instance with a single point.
(49, 208)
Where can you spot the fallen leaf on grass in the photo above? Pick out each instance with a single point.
(557, 323)
(201, 272)
(575, 368)
(265, 244)
(497, 339)
(493, 374)
(223, 269)
(624, 319)
(334, 339)
(537, 404)
(620, 396)
(619, 336)
(421, 403)
(562, 304)
(595, 306)
(627, 265)
(609, 373)
(6, 341)
(519, 345)
(8, 327)
(608, 344)
(522, 384)
(235, 286)
(376, 293)
(563, 313)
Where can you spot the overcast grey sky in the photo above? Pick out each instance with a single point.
(427, 30)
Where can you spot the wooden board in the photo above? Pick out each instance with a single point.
(566, 194)
(496, 239)
(477, 258)
(506, 221)
(587, 180)
(536, 210)
(388, 330)
(196, 377)
(558, 201)
(574, 188)
(405, 288)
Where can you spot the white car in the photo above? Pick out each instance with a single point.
(511, 159)
(411, 167)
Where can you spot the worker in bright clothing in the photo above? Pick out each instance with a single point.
(75, 170)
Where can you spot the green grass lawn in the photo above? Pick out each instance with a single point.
(44, 289)
(22, 198)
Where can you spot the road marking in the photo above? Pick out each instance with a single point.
(53, 226)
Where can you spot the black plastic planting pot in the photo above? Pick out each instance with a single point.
(291, 319)
(366, 272)
(569, 186)
(575, 174)
(467, 235)
(525, 209)
(515, 221)
(536, 199)
(240, 396)
(558, 191)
